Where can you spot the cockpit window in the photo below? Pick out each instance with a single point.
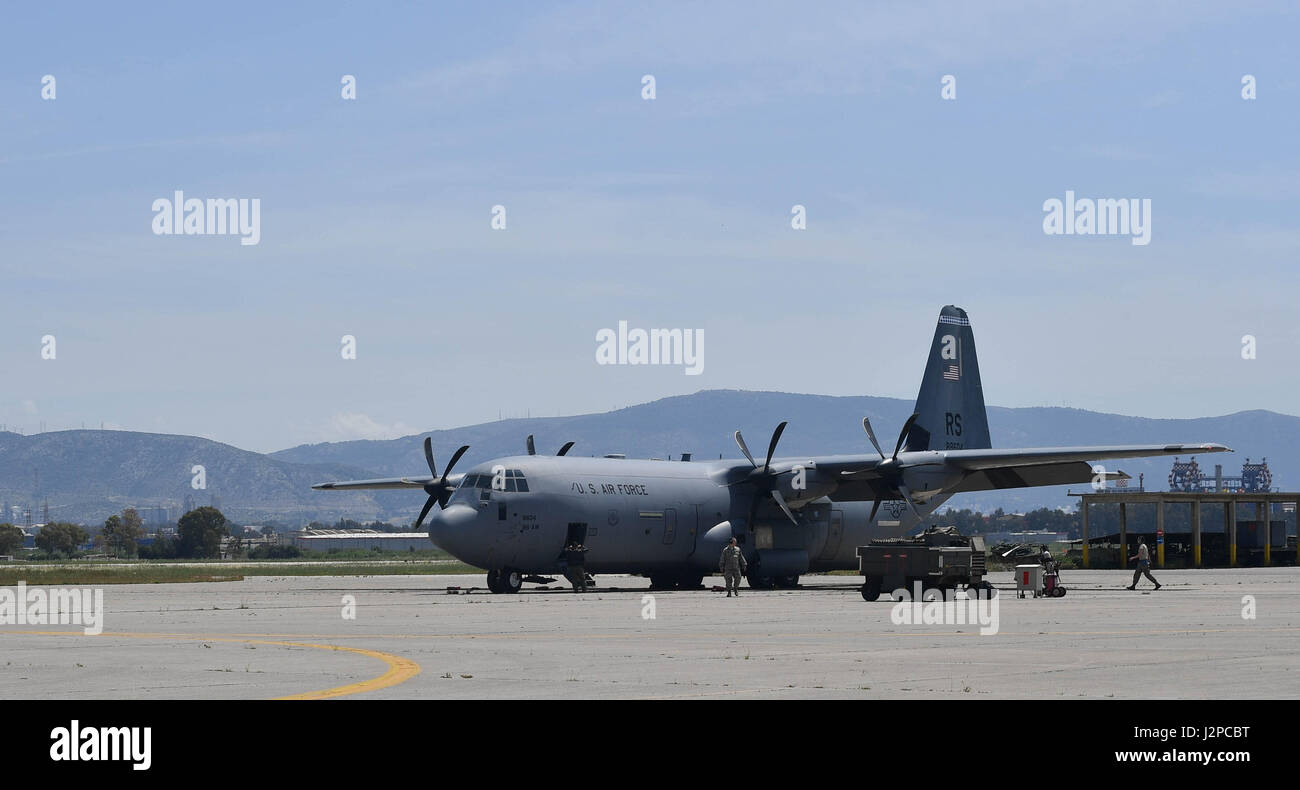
(513, 479)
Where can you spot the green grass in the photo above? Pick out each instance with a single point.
(150, 573)
(11, 575)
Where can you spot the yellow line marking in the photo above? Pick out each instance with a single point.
(399, 671)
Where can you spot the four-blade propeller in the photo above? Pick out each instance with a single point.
(765, 479)
(891, 472)
(438, 490)
(532, 448)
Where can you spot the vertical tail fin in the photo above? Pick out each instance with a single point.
(951, 401)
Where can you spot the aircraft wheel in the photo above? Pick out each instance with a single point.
(494, 580)
(787, 582)
(511, 581)
(662, 581)
(690, 582)
(871, 589)
(760, 582)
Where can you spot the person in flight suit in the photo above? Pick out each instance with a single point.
(732, 564)
(575, 556)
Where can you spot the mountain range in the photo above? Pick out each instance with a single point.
(87, 475)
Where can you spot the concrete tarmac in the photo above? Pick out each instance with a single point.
(1206, 634)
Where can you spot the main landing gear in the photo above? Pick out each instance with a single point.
(769, 582)
(505, 580)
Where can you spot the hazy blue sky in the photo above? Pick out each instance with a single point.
(666, 213)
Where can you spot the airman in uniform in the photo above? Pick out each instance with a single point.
(575, 557)
(1143, 558)
(732, 564)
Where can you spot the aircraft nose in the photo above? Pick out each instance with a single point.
(448, 527)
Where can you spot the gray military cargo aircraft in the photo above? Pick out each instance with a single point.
(669, 520)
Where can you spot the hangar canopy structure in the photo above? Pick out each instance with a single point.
(1263, 501)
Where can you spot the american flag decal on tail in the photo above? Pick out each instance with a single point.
(951, 373)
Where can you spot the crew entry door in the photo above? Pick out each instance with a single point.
(834, 535)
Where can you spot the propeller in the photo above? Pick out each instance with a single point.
(532, 448)
(438, 490)
(765, 478)
(889, 469)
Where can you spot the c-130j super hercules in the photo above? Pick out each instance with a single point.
(669, 520)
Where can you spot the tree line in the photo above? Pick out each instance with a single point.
(199, 534)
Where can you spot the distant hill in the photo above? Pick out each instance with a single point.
(87, 475)
(703, 423)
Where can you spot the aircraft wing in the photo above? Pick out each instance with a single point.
(864, 468)
(974, 460)
(378, 483)
(1029, 476)
(863, 477)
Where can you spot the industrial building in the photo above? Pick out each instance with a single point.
(364, 539)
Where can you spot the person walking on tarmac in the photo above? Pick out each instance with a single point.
(1143, 558)
(575, 557)
(732, 564)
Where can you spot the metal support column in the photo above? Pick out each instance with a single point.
(1231, 514)
(1263, 516)
(1085, 530)
(1123, 535)
(1160, 533)
(1196, 534)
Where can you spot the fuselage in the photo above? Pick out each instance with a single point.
(647, 517)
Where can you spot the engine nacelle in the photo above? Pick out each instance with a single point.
(804, 484)
(929, 479)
